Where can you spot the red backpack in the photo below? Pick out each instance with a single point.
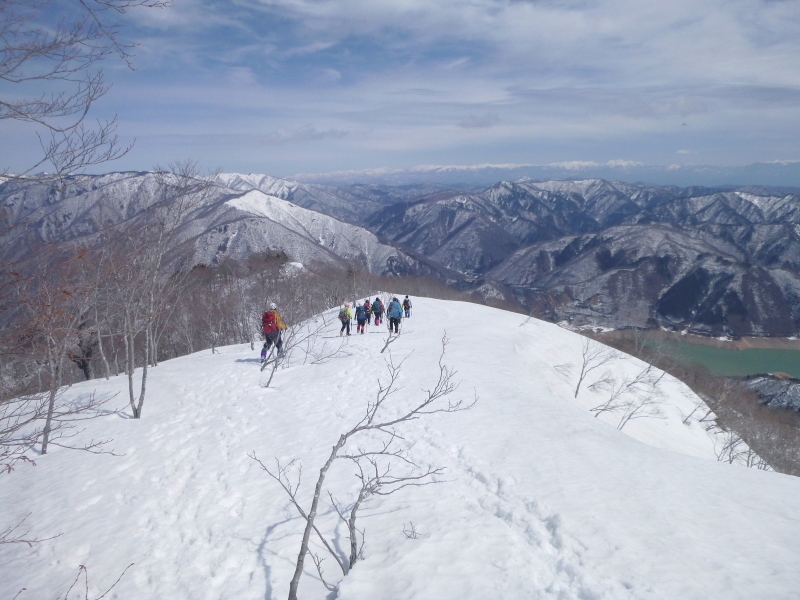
(269, 323)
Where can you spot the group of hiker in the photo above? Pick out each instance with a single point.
(369, 310)
(364, 314)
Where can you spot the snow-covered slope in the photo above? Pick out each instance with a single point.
(339, 203)
(301, 232)
(224, 223)
(539, 498)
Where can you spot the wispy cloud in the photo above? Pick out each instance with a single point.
(307, 133)
(398, 82)
(479, 121)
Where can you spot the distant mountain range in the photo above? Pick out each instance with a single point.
(229, 222)
(784, 174)
(619, 255)
(715, 261)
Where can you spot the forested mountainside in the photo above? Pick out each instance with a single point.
(719, 262)
(352, 203)
(207, 221)
(709, 261)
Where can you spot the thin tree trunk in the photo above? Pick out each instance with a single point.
(129, 367)
(138, 412)
(351, 526)
(103, 353)
(152, 344)
(55, 384)
(312, 514)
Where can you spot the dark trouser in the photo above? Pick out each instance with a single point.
(345, 325)
(394, 322)
(377, 317)
(361, 324)
(269, 339)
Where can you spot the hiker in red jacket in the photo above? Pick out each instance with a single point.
(271, 327)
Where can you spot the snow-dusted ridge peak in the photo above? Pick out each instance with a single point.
(258, 203)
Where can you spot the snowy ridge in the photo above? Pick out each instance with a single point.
(340, 238)
(273, 208)
(234, 220)
(539, 499)
(273, 186)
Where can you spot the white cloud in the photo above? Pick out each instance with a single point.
(624, 164)
(305, 133)
(331, 75)
(479, 121)
(575, 165)
(476, 80)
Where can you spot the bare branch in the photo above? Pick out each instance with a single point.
(593, 356)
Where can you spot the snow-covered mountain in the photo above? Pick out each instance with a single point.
(778, 173)
(620, 255)
(716, 262)
(539, 498)
(227, 222)
(352, 203)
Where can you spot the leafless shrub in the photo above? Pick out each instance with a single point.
(411, 532)
(17, 534)
(593, 356)
(770, 437)
(376, 462)
(83, 573)
(633, 396)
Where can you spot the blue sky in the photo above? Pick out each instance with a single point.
(292, 86)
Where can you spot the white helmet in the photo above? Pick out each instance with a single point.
(272, 306)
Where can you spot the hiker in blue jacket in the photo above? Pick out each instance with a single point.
(361, 317)
(377, 310)
(395, 312)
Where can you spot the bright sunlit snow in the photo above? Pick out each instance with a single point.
(539, 498)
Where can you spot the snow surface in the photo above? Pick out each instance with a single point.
(344, 239)
(760, 202)
(539, 499)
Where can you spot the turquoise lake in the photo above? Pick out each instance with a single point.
(724, 361)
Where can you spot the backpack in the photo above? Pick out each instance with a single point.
(368, 308)
(376, 307)
(343, 314)
(395, 310)
(407, 304)
(361, 313)
(269, 323)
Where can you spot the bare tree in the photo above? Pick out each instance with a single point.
(147, 274)
(374, 461)
(378, 480)
(83, 573)
(17, 534)
(593, 356)
(635, 396)
(63, 60)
